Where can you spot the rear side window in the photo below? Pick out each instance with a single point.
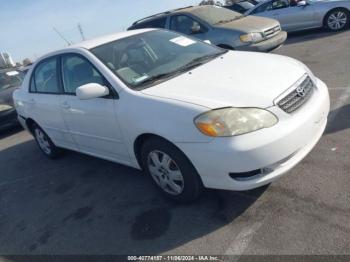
(278, 4)
(45, 77)
(154, 23)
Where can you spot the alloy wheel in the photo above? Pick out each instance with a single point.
(165, 172)
(337, 20)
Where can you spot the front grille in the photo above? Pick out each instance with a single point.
(298, 97)
(272, 31)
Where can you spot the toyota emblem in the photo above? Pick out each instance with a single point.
(301, 91)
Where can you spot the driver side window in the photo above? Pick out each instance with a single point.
(279, 4)
(186, 25)
(77, 71)
(272, 5)
(262, 8)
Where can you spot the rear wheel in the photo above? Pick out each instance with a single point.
(170, 170)
(337, 19)
(44, 142)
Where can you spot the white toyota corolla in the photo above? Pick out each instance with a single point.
(190, 114)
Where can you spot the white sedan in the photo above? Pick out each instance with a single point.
(189, 114)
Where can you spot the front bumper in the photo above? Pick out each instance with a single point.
(274, 150)
(266, 45)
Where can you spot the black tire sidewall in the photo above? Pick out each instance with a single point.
(192, 183)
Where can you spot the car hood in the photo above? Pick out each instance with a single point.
(238, 79)
(250, 24)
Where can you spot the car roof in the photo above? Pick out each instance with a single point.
(187, 9)
(92, 43)
(107, 38)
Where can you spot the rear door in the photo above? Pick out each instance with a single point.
(43, 102)
(92, 123)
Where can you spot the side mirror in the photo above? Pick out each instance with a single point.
(91, 90)
(196, 29)
(302, 3)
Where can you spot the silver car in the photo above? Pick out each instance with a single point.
(296, 15)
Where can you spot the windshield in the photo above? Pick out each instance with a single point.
(10, 79)
(246, 5)
(144, 59)
(215, 15)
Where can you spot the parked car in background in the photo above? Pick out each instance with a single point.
(242, 6)
(10, 80)
(296, 15)
(220, 26)
(24, 69)
(188, 113)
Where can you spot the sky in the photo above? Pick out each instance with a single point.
(27, 25)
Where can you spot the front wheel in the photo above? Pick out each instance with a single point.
(171, 171)
(337, 20)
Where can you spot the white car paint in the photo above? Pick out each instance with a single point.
(108, 128)
(235, 81)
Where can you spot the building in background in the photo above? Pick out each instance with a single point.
(6, 60)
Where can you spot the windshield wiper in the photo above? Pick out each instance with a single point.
(154, 78)
(198, 61)
(192, 64)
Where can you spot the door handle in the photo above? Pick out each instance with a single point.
(65, 105)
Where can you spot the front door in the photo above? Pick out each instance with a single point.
(293, 17)
(92, 123)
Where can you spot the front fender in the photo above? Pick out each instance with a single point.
(171, 119)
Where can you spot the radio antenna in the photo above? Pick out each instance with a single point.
(61, 36)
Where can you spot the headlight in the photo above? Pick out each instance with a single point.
(5, 107)
(251, 38)
(234, 121)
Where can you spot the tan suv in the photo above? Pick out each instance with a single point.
(220, 26)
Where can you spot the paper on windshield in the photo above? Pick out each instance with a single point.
(182, 41)
(140, 79)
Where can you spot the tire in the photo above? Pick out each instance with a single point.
(44, 142)
(337, 20)
(171, 171)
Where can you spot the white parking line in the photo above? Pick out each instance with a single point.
(243, 239)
